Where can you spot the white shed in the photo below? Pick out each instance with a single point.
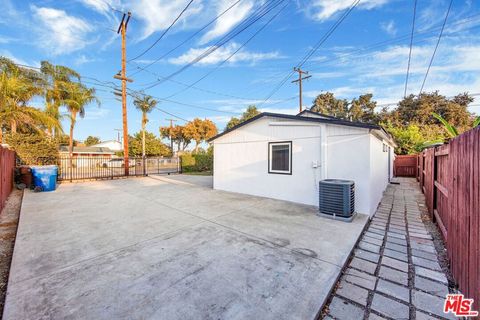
(285, 156)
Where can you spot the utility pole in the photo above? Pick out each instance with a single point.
(118, 134)
(299, 80)
(171, 127)
(122, 75)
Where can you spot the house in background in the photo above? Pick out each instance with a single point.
(285, 156)
(87, 156)
(113, 145)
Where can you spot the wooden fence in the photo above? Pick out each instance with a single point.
(405, 166)
(7, 166)
(449, 176)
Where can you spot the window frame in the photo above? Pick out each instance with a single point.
(290, 158)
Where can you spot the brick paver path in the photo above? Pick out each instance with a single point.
(394, 272)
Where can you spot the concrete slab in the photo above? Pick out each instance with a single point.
(171, 248)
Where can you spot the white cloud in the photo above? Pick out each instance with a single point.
(324, 9)
(328, 75)
(60, 33)
(389, 27)
(83, 59)
(96, 113)
(228, 20)
(456, 69)
(223, 53)
(157, 15)
(101, 6)
(5, 40)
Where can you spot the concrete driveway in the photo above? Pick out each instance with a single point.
(171, 248)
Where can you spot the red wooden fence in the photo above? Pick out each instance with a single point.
(405, 166)
(449, 176)
(7, 166)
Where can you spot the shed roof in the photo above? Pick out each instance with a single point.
(299, 117)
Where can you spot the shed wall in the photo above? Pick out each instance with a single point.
(348, 158)
(381, 170)
(241, 161)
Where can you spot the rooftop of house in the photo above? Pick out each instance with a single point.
(308, 116)
(87, 150)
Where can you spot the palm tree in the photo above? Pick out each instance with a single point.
(78, 96)
(145, 104)
(17, 87)
(56, 79)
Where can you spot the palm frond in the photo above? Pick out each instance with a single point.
(452, 131)
(476, 123)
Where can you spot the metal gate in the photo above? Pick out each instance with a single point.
(101, 167)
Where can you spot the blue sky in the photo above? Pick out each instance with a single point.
(368, 53)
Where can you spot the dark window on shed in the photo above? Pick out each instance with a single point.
(280, 157)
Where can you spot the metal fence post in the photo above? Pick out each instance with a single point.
(144, 166)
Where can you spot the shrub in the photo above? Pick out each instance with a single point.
(197, 162)
(33, 149)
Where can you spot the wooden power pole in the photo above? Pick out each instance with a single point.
(122, 75)
(171, 127)
(299, 80)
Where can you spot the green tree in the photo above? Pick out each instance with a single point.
(200, 130)
(419, 109)
(57, 78)
(154, 146)
(77, 99)
(409, 139)
(363, 109)
(17, 88)
(145, 104)
(177, 134)
(326, 103)
(251, 112)
(91, 140)
(64, 140)
(33, 149)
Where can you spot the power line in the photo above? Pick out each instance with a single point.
(189, 38)
(411, 45)
(327, 35)
(449, 97)
(436, 46)
(135, 92)
(395, 40)
(193, 87)
(313, 50)
(265, 9)
(231, 55)
(171, 114)
(164, 32)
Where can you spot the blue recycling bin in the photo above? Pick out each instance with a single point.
(45, 177)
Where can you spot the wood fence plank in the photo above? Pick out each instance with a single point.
(449, 176)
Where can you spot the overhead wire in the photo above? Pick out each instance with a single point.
(411, 45)
(194, 87)
(313, 50)
(189, 38)
(163, 33)
(231, 55)
(258, 14)
(391, 41)
(134, 93)
(436, 47)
